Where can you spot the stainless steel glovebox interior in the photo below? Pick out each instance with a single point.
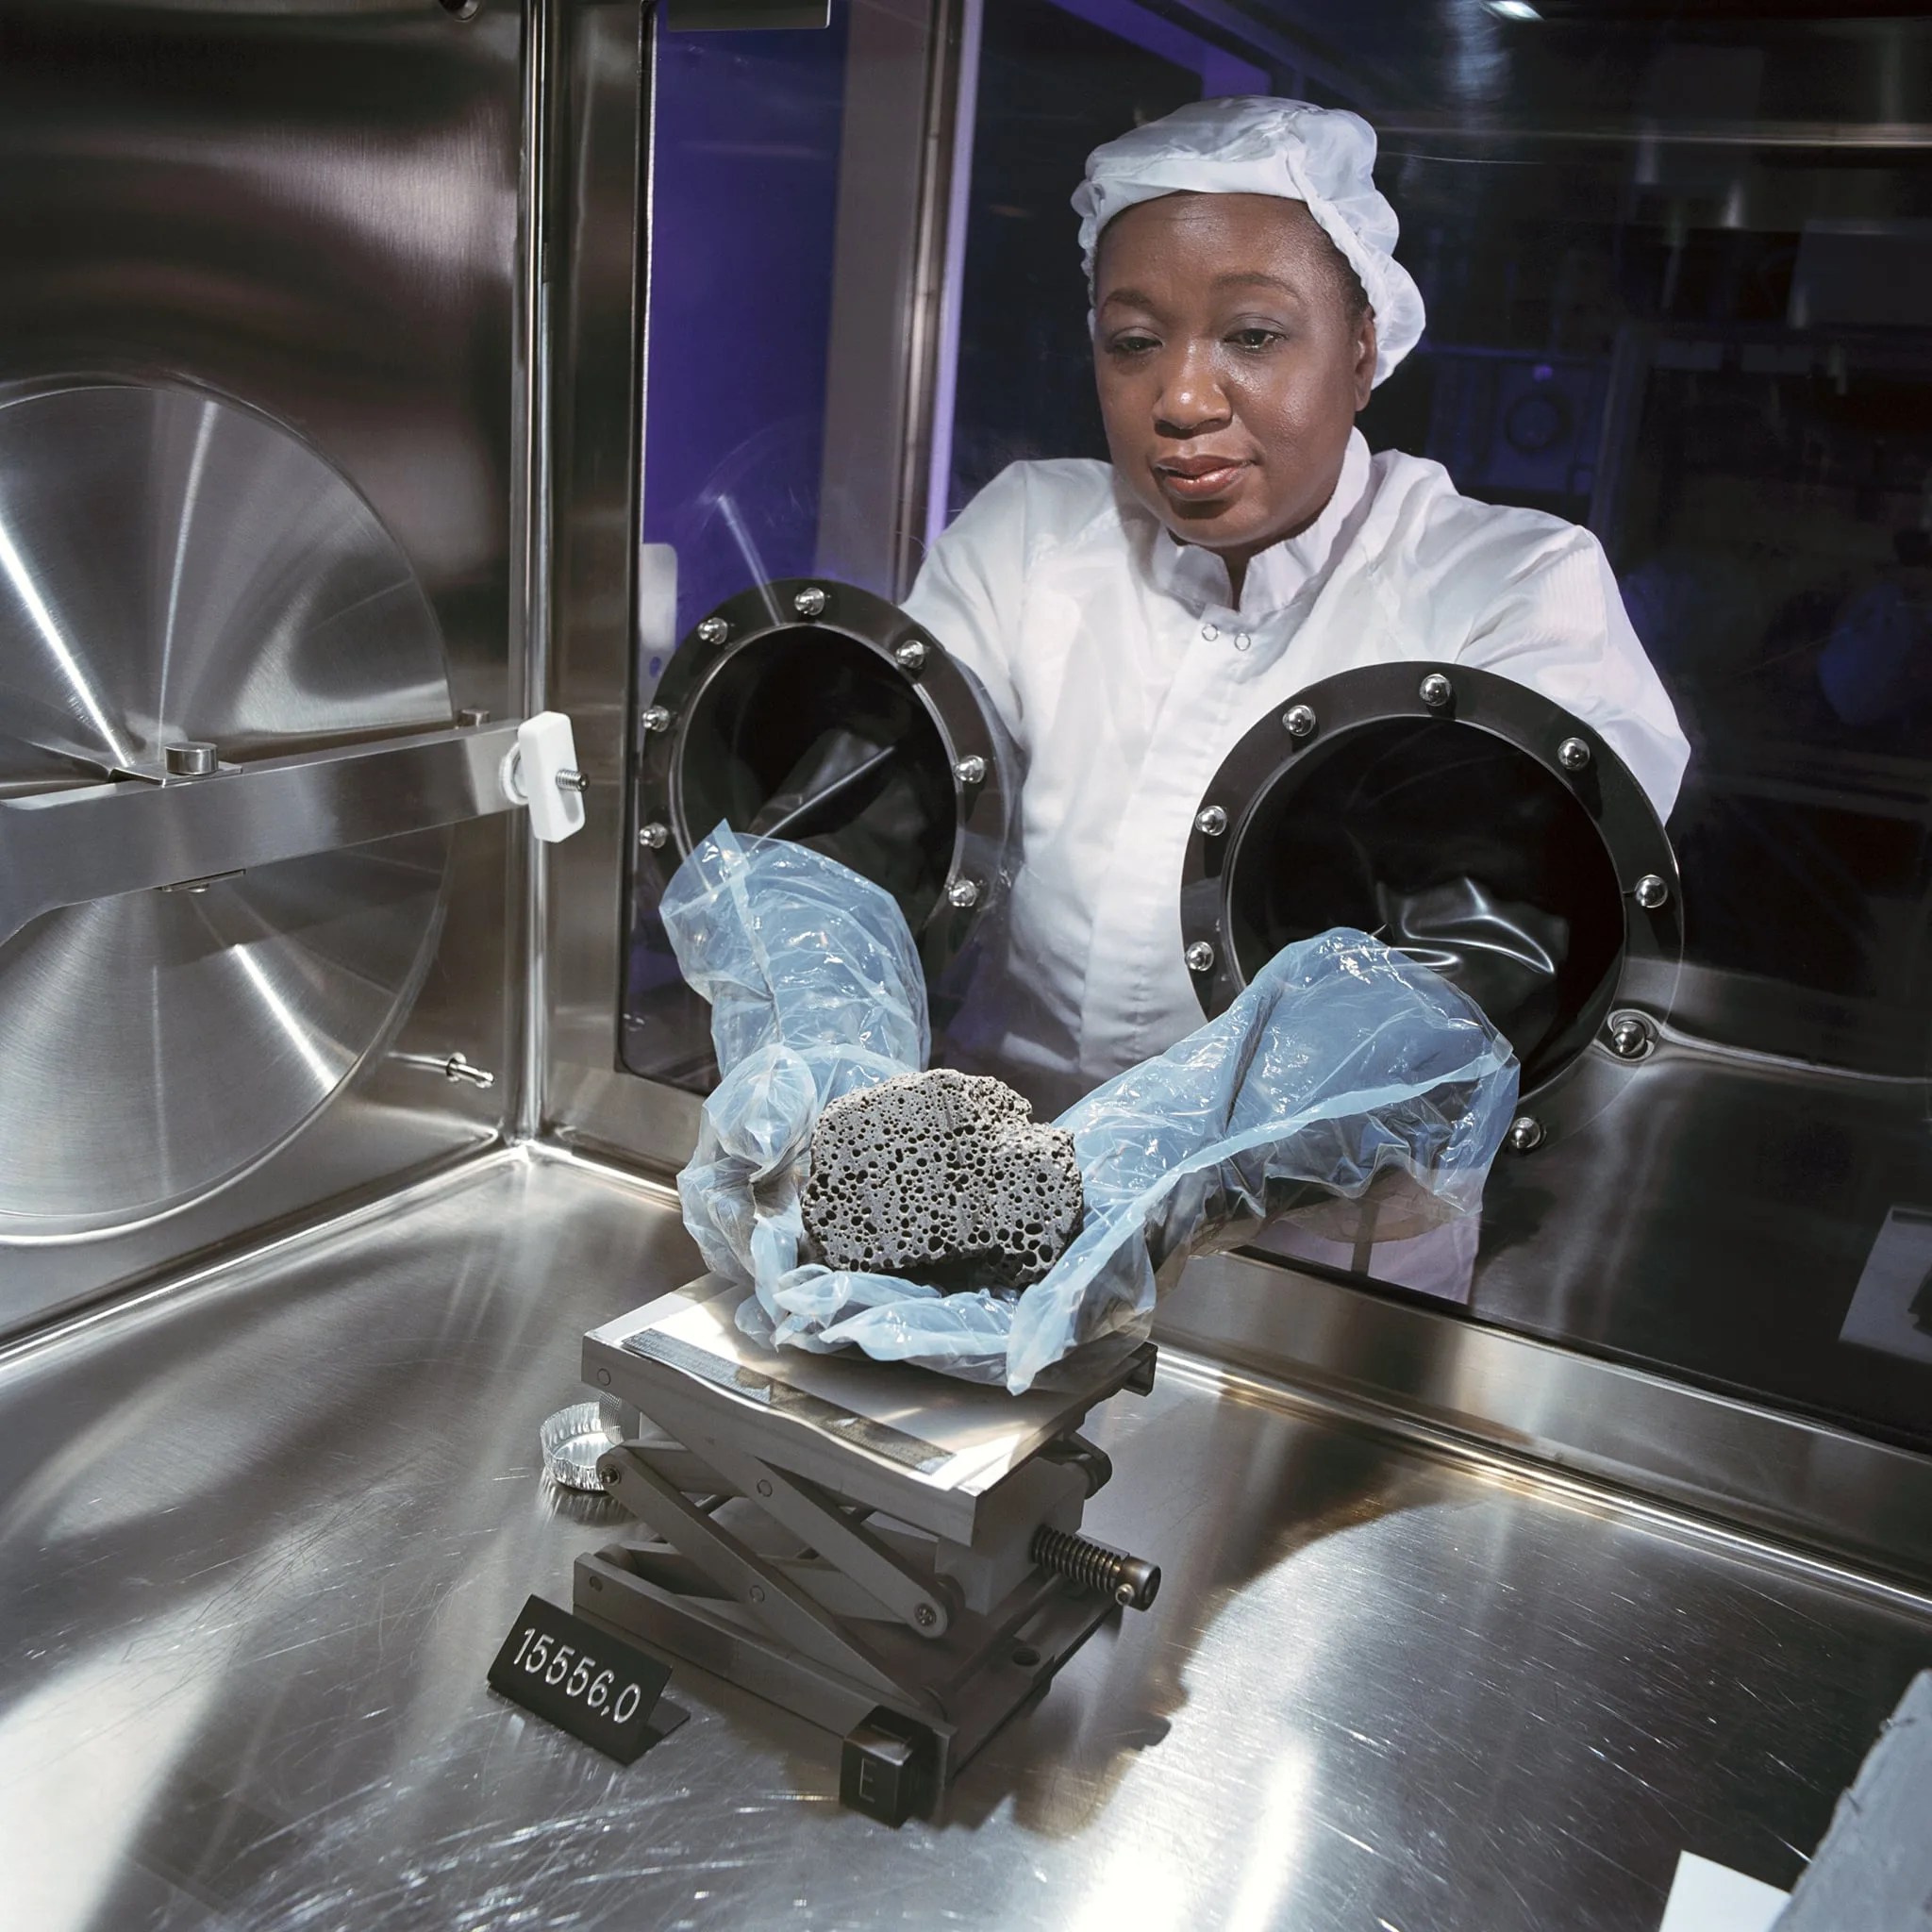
(379, 267)
(364, 980)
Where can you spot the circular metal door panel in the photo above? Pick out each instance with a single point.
(174, 567)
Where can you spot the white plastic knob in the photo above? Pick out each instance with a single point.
(541, 773)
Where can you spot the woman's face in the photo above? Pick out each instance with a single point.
(1230, 364)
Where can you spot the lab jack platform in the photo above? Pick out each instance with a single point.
(892, 1555)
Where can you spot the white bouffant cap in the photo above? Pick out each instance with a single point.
(1324, 156)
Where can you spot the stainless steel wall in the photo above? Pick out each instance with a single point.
(309, 206)
(607, 593)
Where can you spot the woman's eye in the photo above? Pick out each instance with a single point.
(1133, 344)
(1255, 337)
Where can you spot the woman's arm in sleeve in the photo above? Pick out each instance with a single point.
(970, 590)
(1555, 622)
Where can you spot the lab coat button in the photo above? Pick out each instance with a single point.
(1210, 632)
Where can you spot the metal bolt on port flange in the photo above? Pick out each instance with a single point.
(655, 718)
(962, 894)
(925, 1616)
(1525, 1134)
(1651, 892)
(971, 771)
(911, 656)
(714, 630)
(1435, 691)
(1632, 1036)
(1572, 755)
(572, 779)
(1200, 957)
(811, 602)
(654, 837)
(1212, 820)
(1298, 720)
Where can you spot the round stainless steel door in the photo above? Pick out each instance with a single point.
(176, 568)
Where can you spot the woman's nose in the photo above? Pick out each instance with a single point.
(1192, 399)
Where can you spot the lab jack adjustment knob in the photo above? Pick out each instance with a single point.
(1130, 1581)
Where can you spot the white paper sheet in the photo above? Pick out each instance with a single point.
(1707, 1897)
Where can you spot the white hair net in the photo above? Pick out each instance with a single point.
(1324, 156)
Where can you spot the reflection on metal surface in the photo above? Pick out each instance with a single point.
(183, 572)
(1375, 1683)
(179, 569)
(1418, 1366)
(1716, 1222)
(159, 1043)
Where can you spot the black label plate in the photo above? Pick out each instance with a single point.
(585, 1681)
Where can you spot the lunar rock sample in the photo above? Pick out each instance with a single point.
(944, 1177)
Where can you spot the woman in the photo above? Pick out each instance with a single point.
(1132, 620)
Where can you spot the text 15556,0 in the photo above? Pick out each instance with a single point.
(561, 1667)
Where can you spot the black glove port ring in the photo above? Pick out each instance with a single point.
(1476, 825)
(809, 709)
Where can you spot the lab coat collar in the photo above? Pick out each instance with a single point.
(1199, 578)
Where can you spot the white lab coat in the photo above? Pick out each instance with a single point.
(1126, 677)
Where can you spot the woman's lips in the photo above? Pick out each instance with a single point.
(1197, 479)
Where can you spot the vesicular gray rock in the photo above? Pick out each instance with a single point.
(944, 1177)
